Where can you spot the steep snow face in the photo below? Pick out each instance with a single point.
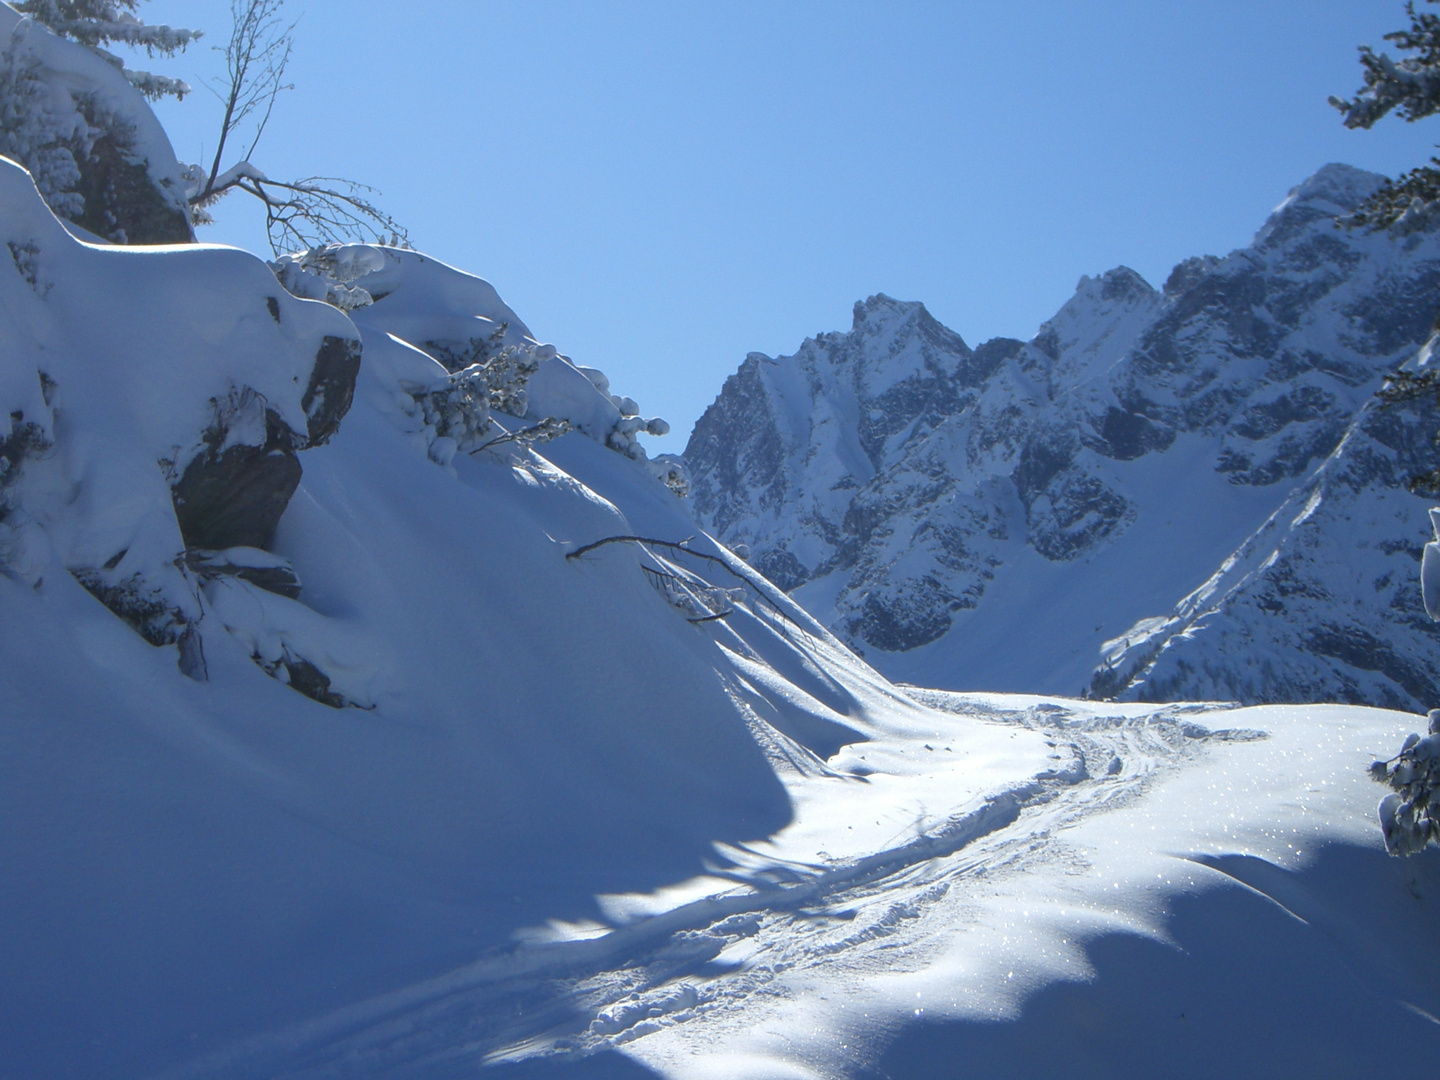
(938, 516)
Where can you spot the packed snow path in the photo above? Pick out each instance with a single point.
(789, 961)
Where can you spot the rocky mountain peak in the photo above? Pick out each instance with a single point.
(1331, 192)
(881, 310)
(938, 505)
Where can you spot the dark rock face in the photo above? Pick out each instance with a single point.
(122, 202)
(233, 493)
(897, 479)
(234, 497)
(331, 388)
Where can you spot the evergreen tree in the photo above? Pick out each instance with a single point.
(1409, 87)
(95, 23)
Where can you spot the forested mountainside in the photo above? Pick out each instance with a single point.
(1011, 515)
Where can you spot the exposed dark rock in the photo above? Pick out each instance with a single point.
(234, 498)
(737, 447)
(271, 574)
(1125, 436)
(898, 623)
(1358, 648)
(304, 677)
(1188, 273)
(987, 359)
(1075, 516)
(122, 202)
(781, 567)
(331, 389)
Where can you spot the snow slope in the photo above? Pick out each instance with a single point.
(997, 517)
(1181, 891)
(402, 789)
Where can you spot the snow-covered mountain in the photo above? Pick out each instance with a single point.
(996, 517)
(367, 714)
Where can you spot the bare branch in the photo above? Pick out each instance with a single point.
(255, 60)
(299, 214)
(761, 586)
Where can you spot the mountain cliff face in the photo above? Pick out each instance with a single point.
(1322, 599)
(992, 517)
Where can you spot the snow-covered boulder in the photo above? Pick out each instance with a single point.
(157, 401)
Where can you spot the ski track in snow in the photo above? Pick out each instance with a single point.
(703, 961)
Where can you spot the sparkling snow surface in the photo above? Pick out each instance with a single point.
(576, 834)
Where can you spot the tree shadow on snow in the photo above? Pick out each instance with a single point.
(1326, 972)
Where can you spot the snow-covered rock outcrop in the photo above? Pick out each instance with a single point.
(210, 499)
(993, 517)
(157, 406)
(97, 152)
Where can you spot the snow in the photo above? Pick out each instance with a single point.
(1430, 569)
(560, 828)
(74, 77)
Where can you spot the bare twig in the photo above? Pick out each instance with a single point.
(756, 582)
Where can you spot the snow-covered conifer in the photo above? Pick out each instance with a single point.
(34, 135)
(1409, 87)
(1410, 818)
(95, 23)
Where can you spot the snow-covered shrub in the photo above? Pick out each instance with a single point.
(624, 433)
(26, 439)
(458, 413)
(326, 272)
(670, 470)
(34, 134)
(1410, 817)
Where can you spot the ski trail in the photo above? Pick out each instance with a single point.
(712, 955)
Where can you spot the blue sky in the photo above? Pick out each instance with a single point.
(659, 188)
